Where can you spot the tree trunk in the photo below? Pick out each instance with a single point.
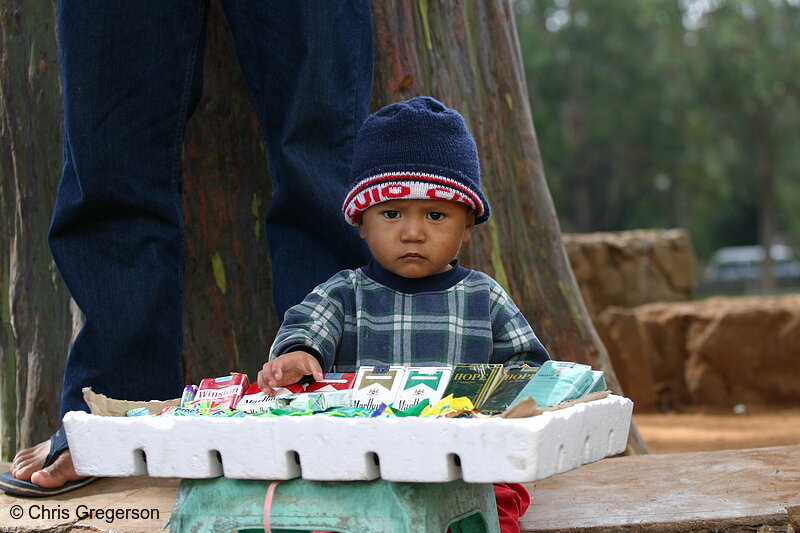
(467, 55)
(229, 319)
(36, 324)
(766, 196)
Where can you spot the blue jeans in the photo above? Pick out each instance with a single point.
(132, 75)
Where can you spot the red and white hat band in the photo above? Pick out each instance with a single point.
(406, 186)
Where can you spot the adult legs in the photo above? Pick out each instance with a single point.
(131, 76)
(308, 66)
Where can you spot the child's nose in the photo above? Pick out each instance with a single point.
(412, 231)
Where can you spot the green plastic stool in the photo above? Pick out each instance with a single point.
(222, 505)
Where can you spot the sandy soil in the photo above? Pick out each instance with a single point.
(707, 431)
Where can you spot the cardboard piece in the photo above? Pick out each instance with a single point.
(528, 407)
(100, 404)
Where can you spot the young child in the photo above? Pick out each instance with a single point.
(416, 197)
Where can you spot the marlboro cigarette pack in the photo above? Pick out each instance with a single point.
(376, 385)
(254, 400)
(332, 381)
(422, 383)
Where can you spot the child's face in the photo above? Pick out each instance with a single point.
(416, 238)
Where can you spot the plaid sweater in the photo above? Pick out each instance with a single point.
(371, 316)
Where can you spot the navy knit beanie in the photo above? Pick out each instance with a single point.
(416, 149)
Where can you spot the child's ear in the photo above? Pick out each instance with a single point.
(360, 224)
(468, 229)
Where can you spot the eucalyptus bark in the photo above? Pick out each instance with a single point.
(36, 322)
(229, 318)
(764, 173)
(467, 54)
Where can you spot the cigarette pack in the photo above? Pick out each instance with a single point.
(254, 400)
(474, 381)
(422, 382)
(598, 382)
(225, 391)
(375, 385)
(557, 381)
(332, 381)
(505, 392)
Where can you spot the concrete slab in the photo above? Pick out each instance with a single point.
(121, 505)
(731, 490)
(725, 491)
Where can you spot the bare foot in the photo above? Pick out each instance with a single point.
(27, 465)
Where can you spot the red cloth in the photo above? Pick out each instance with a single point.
(513, 500)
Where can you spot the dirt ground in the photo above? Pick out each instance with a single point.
(708, 431)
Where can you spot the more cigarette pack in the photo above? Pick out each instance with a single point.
(376, 385)
(420, 383)
(254, 400)
(332, 381)
(225, 391)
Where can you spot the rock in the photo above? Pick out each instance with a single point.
(632, 268)
(719, 352)
(747, 353)
(632, 364)
(724, 491)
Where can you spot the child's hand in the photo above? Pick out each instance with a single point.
(287, 369)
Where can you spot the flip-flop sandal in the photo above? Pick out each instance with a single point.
(18, 487)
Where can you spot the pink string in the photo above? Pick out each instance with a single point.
(268, 504)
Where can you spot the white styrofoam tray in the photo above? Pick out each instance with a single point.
(329, 448)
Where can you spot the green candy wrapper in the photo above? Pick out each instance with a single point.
(414, 410)
(349, 412)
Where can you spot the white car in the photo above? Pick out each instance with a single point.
(736, 263)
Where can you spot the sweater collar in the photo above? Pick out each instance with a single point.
(435, 283)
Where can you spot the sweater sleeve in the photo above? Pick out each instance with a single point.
(316, 323)
(514, 339)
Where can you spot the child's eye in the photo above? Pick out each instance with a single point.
(391, 214)
(435, 215)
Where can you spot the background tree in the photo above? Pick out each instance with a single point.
(466, 54)
(745, 56)
(668, 113)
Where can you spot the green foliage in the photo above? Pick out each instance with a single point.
(665, 113)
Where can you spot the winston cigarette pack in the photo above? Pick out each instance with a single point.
(225, 391)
